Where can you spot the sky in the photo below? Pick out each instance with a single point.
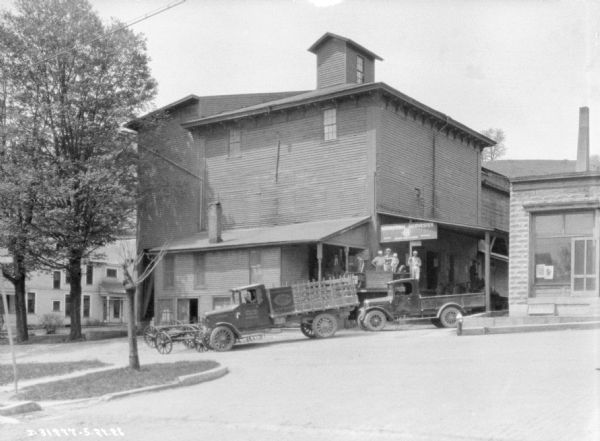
(524, 66)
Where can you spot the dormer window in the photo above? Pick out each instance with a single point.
(329, 124)
(360, 69)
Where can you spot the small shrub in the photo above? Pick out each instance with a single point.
(50, 322)
(92, 322)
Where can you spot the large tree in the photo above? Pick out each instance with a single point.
(82, 79)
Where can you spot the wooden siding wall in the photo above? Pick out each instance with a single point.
(294, 264)
(171, 197)
(405, 162)
(495, 208)
(316, 179)
(331, 63)
(224, 270)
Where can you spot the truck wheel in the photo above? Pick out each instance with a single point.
(324, 325)
(448, 316)
(222, 339)
(374, 320)
(307, 330)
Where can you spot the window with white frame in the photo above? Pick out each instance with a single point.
(30, 303)
(329, 124)
(86, 306)
(67, 305)
(235, 143)
(360, 69)
(111, 272)
(55, 305)
(565, 250)
(56, 279)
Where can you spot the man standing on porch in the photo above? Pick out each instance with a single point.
(414, 263)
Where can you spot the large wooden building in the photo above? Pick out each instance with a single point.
(271, 187)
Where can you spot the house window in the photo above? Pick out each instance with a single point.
(219, 302)
(360, 69)
(169, 271)
(565, 250)
(199, 270)
(235, 143)
(67, 305)
(56, 280)
(89, 275)
(256, 275)
(10, 301)
(330, 124)
(86, 306)
(111, 272)
(55, 305)
(30, 303)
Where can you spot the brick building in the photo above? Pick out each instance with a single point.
(554, 231)
(272, 187)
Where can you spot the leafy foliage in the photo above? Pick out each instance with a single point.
(498, 150)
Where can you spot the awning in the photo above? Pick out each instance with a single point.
(348, 231)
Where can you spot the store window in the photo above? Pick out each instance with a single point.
(565, 250)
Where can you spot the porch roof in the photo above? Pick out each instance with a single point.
(304, 232)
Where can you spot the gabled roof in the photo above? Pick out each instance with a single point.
(328, 35)
(335, 92)
(514, 168)
(304, 232)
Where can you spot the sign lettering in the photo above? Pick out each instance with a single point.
(409, 232)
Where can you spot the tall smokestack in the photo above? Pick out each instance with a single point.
(583, 143)
(215, 222)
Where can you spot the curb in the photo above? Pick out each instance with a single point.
(529, 328)
(184, 380)
(19, 407)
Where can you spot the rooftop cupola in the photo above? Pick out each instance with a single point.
(342, 61)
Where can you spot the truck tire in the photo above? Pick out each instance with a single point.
(375, 320)
(324, 325)
(222, 339)
(307, 330)
(448, 316)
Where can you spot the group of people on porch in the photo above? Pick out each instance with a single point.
(389, 262)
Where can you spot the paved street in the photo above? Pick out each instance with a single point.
(414, 384)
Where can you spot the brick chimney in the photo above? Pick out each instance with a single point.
(215, 222)
(583, 142)
(342, 61)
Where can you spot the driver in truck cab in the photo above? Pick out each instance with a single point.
(250, 297)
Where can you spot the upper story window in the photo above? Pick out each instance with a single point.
(235, 143)
(111, 272)
(169, 271)
(360, 69)
(56, 280)
(329, 124)
(30, 303)
(89, 274)
(199, 270)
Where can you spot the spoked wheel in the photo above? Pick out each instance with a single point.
(222, 339)
(150, 336)
(164, 344)
(324, 325)
(375, 320)
(202, 342)
(307, 330)
(449, 316)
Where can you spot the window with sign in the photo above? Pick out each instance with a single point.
(565, 250)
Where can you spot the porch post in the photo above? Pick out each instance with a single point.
(488, 289)
(320, 259)
(347, 250)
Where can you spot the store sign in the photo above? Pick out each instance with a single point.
(408, 232)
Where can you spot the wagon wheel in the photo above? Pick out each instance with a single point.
(449, 315)
(164, 344)
(324, 325)
(222, 339)
(374, 320)
(307, 330)
(150, 336)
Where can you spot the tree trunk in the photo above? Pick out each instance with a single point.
(75, 294)
(21, 308)
(134, 360)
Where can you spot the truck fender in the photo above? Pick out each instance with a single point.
(236, 332)
(377, 308)
(445, 305)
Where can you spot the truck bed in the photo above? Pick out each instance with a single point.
(312, 297)
(469, 301)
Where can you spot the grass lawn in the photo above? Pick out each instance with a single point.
(114, 380)
(26, 371)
